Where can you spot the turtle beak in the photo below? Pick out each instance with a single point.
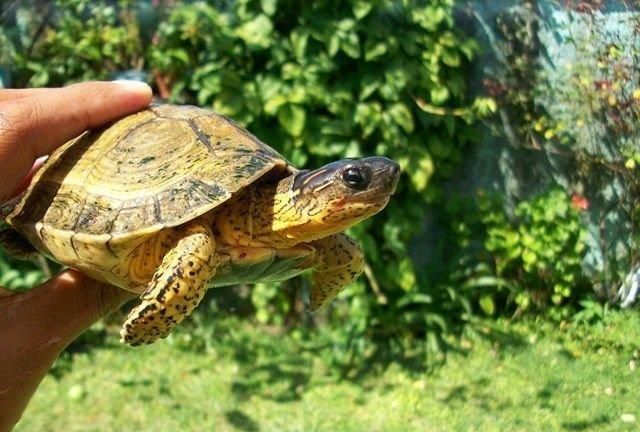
(393, 176)
(387, 170)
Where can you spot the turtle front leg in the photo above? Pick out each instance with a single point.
(339, 262)
(176, 288)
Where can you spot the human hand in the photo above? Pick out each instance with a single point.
(37, 325)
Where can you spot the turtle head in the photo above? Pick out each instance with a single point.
(338, 195)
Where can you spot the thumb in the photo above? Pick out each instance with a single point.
(60, 309)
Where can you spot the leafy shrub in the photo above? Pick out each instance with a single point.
(318, 81)
(566, 80)
(73, 40)
(541, 251)
(530, 259)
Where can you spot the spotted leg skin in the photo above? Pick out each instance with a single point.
(176, 288)
(16, 245)
(339, 263)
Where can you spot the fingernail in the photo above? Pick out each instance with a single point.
(134, 86)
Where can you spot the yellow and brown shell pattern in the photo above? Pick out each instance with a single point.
(155, 169)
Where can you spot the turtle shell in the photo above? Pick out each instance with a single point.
(158, 168)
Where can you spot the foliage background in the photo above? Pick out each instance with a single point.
(324, 80)
(317, 81)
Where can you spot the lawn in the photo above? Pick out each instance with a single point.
(507, 376)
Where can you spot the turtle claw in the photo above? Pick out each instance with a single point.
(175, 290)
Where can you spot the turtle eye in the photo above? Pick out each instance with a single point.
(356, 178)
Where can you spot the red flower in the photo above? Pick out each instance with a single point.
(579, 202)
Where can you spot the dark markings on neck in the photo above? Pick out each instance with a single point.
(315, 209)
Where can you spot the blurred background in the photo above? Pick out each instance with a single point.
(498, 279)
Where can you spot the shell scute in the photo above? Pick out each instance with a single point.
(136, 212)
(64, 210)
(189, 194)
(96, 215)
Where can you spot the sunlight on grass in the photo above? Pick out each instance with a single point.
(523, 376)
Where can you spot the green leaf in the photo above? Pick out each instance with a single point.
(346, 24)
(406, 274)
(419, 166)
(486, 281)
(361, 8)
(269, 7)
(448, 39)
(369, 84)
(8, 276)
(427, 17)
(351, 45)
(373, 51)
(487, 305)
(273, 104)
(439, 94)
(414, 298)
(353, 150)
(450, 57)
(291, 71)
(257, 32)
(402, 116)
(32, 277)
(334, 44)
(297, 95)
(328, 149)
(529, 257)
(292, 118)
(299, 39)
(298, 157)
(484, 106)
(367, 115)
(468, 48)
(269, 87)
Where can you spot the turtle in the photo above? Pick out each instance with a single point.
(175, 199)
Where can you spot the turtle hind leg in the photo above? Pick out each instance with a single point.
(176, 288)
(15, 245)
(339, 262)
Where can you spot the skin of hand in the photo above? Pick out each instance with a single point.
(37, 325)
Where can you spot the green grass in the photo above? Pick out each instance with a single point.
(515, 377)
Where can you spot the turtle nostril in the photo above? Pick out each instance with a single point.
(393, 170)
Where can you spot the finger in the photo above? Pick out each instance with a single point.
(33, 126)
(85, 298)
(75, 301)
(9, 94)
(65, 305)
(57, 115)
(37, 325)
